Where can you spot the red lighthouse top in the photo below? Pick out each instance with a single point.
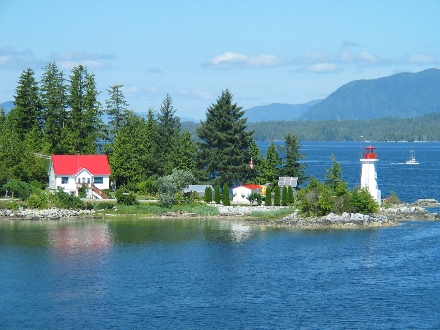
(370, 153)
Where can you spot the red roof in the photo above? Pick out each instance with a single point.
(72, 164)
(252, 186)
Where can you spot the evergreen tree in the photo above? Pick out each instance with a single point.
(254, 168)
(276, 198)
(334, 178)
(84, 124)
(284, 197)
(26, 114)
(208, 195)
(217, 195)
(291, 155)
(268, 196)
(224, 142)
(270, 166)
(290, 194)
(168, 127)
(225, 195)
(116, 110)
(131, 159)
(53, 100)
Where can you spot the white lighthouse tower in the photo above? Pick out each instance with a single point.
(369, 175)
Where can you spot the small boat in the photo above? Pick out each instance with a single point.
(412, 159)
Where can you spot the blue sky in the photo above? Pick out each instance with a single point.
(262, 51)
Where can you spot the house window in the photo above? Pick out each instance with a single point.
(64, 180)
(88, 180)
(79, 180)
(98, 179)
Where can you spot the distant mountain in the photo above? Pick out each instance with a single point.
(403, 95)
(278, 111)
(7, 106)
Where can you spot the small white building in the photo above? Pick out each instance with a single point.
(241, 193)
(71, 172)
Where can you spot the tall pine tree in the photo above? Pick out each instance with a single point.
(225, 142)
(116, 110)
(291, 155)
(54, 103)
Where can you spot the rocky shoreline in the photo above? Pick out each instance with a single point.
(386, 217)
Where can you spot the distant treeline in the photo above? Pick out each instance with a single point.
(425, 128)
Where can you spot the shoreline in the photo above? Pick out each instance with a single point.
(387, 217)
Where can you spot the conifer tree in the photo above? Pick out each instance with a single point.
(268, 201)
(284, 197)
(208, 195)
(276, 198)
(26, 114)
(217, 195)
(116, 110)
(224, 142)
(291, 155)
(290, 194)
(270, 166)
(168, 128)
(254, 168)
(54, 103)
(225, 195)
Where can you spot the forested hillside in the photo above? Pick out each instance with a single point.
(424, 128)
(403, 95)
(278, 111)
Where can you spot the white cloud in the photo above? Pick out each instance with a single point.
(346, 57)
(319, 68)
(229, 60)
(312, 58)
(202, 94)
(422, 59)
(14, 59)
(367, 59)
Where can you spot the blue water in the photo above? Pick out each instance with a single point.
(211, 274)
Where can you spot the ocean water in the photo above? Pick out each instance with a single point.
(214, 274)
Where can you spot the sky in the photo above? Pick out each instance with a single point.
(278, 51)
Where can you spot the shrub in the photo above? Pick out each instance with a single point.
(276, 198)
(82, 191)
(361, 201)
(37, 201)
(284, 197)
(67, 201)
(392, 198)
(225, 195)
(147, 187)
(126, 198)
(208, 195)
(268, 196)
(217, 194)
(291, 197)
(18, 188)
(253, 196)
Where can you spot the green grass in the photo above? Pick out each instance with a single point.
(155, 209)
(273, 215)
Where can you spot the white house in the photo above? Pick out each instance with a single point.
(241, 193)
(72, 172)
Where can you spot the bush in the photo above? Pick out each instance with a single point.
(284, 197)
(291, 197)
(37, 201)
(268, 201)
(125, 198)
(361, 201)
(225, 195)
(217, 194)
(276, 198)
(67, 201)
(208, 195)
(253, 196)
(393, 199)
(18, 189)
(147, 187)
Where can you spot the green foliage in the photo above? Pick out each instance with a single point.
(284, 197)
(217, 195)
(67, 201)
(276, 214)
(18, 189)
(277, 197)
(290, 153)
(268, 200)
(208, 195)
(224, 142)
(38, 201)
(82, 191)
(315, 199)
(290, 195)
(225, 195)
(116, 110)
(147, 187)
(105, 206)
(361, 201)
(270, 165)
(126, 198)
(169, 185)
(254, 196)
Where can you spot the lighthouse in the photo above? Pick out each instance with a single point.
(368, 174)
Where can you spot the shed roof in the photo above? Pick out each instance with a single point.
(72, 164)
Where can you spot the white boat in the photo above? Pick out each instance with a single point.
(412, 159)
